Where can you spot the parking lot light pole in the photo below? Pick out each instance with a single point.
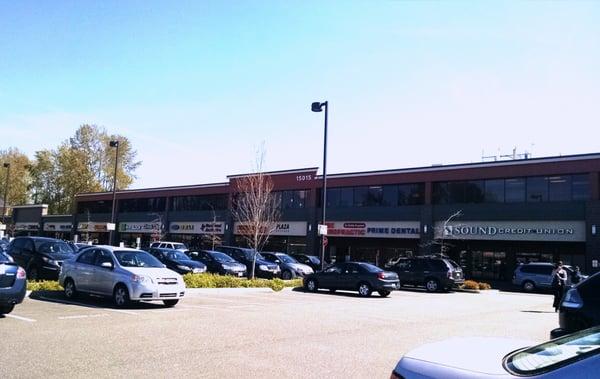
(318, 107)
(114, 197)
(6, 184)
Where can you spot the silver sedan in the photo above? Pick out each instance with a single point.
(123, 274)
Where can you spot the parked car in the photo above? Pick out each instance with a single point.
(170, 245)
(3, 245)
(290, 268)
(41, 257)
(353, 276)
(573, 356)
(177, 261)
(311, 260)
(262, 267)
(580, 307)
(123, 274)
(435, 273)
(4, 257)
(13, 284)
(538, 276)
(80, 245)
(219, 263)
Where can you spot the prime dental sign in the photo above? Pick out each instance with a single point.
(373, 229)
(517, 231)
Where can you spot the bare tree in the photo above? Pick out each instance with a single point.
(255, 208)
(158, 234)
(212, 235)
(439, 232)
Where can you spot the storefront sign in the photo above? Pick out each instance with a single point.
(570, 231)
(139, 227)
(197, 227)
(27, 226)
(292, 228)
(58, 226)
(374, 229)
(92, 227)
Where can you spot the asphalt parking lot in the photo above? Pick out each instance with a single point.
(254, 333)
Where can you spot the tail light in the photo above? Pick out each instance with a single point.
(381, 275)
(21, 274)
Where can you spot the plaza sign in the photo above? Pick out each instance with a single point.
(58, 226)
(374, 229)
(291, 228)
(570, 231)
(197, 227)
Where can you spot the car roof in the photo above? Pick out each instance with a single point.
(39, 238)
(113, 248)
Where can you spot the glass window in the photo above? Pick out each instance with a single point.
(440, 193)
(198, 203)
(360, 196)
(580, 185)
(333, 197)
(457, 192)
(559, 188)
(155, 204)
(375, 196)
(83, 207)
(335, 269)
(294, 199)
(346, 197)
(87, 257)
(103, 256)
(390, 196)
(132, 258)
(494, 191)
(537, 189)
(514, 190)
(416, 193)
(474, 191)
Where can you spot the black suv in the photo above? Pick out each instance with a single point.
(432, 272)
(41, 257)
(580, 307)
(262, 268)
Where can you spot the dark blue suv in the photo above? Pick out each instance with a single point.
(262, 267)
(13, 284)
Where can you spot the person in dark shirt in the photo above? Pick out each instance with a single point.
(576, 276)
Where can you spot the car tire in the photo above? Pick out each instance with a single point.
(121, 296)
(364, 289)
(70, 289)
(528, 286)
(384, 293)
(287, 275)
(312, 285)
(33, 274)
(432, 285)
(170, 303)
(6, 309)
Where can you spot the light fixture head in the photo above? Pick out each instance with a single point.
(114, 143)
(316, 107)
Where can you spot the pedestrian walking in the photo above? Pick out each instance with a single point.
(559, 282)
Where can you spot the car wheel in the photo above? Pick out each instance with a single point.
(170, 303)
(311, 285)
(33, 274)
(528, 286)
(364, 290)
(70, 290)
(384, 293)
(6, 309)
(121, 296)
(432, 285)
(287, 275)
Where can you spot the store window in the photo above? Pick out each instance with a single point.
(440, 193)
(294, 199)
(153, 204)
(537, 189)
(346, 197)
(559, 188)
(580, 185)
(361, 196)
(333, 197)
(390, 196)
(198, 203)
(411, 194)
(374, 196)
(514, 190)
(474, 191)
(100, 206)
(494, 191)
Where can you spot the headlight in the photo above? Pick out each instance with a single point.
(141, 279)
(263, 267)
(184, 268)
(50, 261)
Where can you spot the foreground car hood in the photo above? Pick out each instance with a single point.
(449, 356)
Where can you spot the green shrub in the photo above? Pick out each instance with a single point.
(226, 281)
(43, 285)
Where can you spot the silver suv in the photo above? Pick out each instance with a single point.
(169, 245)
(123, 274)
(538, 275)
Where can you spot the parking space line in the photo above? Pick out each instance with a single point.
(87, 305)
(21, 318)
(82, 316)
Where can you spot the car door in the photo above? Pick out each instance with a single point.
(350, 277)
(330, 277)
(402, 268)
(419, 271)
(28, 253)
(16, 251)
(211, 264)
(103, 277)
(83, 270)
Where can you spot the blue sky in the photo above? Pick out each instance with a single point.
(198, 86)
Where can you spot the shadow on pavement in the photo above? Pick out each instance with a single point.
(538, 312)
(89, 301)
(325, 292)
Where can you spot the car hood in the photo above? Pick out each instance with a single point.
(154, 272)
(233, 264)
(190, 263)
(266, 263)
(451, 354)
(300, 266)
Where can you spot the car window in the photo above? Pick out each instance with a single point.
(286, 258)
(551, 355)
(176, 255)
(351, 268)
(87, 256)
(335, 269)
(438, 265)
(54, 247)
(367, 267)
(269, 257)
(19, 243)
(102, 256)
(132, 258)
(403, 264)
(418, 265)
(222, 258)
(179, 246)
(28, 245)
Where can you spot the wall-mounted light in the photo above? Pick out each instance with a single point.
(309, 227)
(593, 230)
(425, 229)
(226, 226)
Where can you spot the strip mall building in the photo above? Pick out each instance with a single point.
(541, 209)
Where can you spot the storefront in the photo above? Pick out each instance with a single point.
(96, 232)
(378, 242)
(197, 235)
(60, 230)
(492, 249)
(287, 237)
(26, 229)
(134, 234)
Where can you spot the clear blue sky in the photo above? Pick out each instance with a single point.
(199, 85)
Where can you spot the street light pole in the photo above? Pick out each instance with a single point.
(7, 166)
(114, 197)
(318, 107)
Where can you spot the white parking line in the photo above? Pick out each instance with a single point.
(21, 318)
(87, 305)
(82, 316)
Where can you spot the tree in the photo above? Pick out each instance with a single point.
(439, 232)
(19, 181)
(255, 208)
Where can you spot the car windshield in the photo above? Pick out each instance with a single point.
(248, 255)
(556, 353)
(177, 256)
(314, 259)
(222, 258)
(53, 247)
(286, 258)
(370, 267)
(179, 246)
(136, 259)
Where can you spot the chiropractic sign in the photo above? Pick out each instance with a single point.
(374, 229)
(569, 231)
(207, 227)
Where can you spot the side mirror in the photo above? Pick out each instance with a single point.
(277, 261)
(164, 266)
(107, 265)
